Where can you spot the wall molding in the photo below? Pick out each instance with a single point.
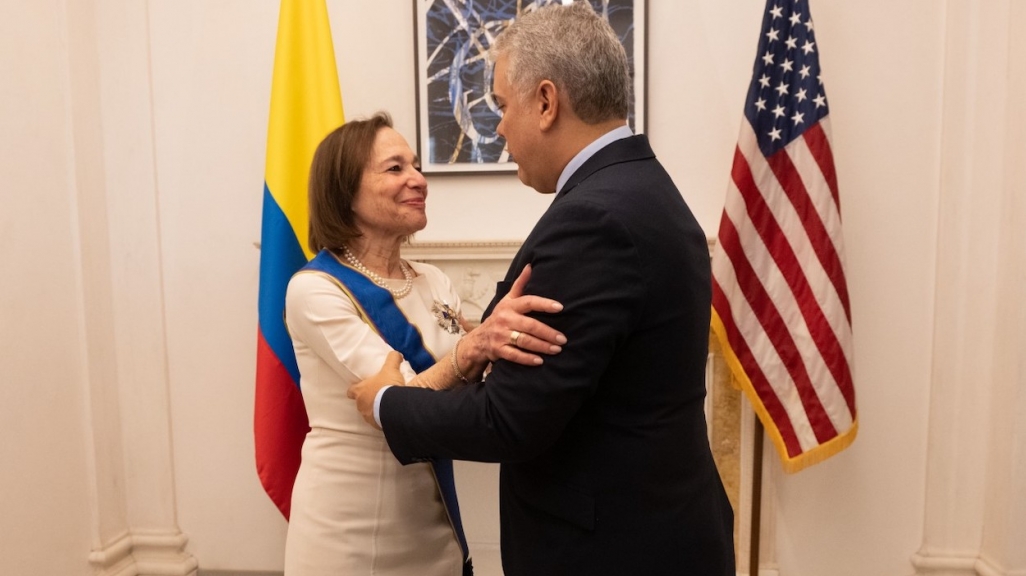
(115, 559)
(145, 554)
(929, 562)
(469, 250)
(473, 267)
(985, 567)
(473, 249)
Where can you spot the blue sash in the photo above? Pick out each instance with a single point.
(378, 308)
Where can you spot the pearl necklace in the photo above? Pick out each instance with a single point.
(407, 274)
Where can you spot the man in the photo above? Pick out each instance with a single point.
(606, 468)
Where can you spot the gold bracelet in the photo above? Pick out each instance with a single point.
(455, 364)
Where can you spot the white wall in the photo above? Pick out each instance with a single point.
(165, 125)
(861, 512)
(211, 66)
(43, 406)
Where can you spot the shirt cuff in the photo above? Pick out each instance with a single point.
(377, 405)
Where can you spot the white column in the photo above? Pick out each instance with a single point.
(136, 526)
(967, 397)
(104, 450)
(1004, 535)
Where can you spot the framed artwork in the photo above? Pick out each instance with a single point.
(456, 115)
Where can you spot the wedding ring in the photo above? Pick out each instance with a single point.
(513, 337)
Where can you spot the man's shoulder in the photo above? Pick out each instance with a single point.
(622, 156)
(634, 185)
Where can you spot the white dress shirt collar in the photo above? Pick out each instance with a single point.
(589, 151)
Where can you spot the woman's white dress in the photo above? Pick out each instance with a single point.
(355, 509)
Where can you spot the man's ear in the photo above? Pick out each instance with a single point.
(547, 99)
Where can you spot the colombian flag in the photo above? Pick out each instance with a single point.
(306, 105)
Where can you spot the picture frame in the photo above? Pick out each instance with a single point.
(452, 38)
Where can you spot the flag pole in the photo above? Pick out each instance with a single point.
(753, 539)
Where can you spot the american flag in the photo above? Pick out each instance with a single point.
(781, 310)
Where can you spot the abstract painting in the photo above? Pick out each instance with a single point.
(456, 115)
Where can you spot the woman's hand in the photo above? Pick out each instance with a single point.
(509, 334)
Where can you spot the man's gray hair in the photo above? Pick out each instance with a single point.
(574, 48)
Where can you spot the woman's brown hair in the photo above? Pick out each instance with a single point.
(335, 176)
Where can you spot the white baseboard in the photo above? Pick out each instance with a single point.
(984, 567)
(488, 562)
(144, 554)
(942, 563)
(237, 573)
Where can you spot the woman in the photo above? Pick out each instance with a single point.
(355, 510)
